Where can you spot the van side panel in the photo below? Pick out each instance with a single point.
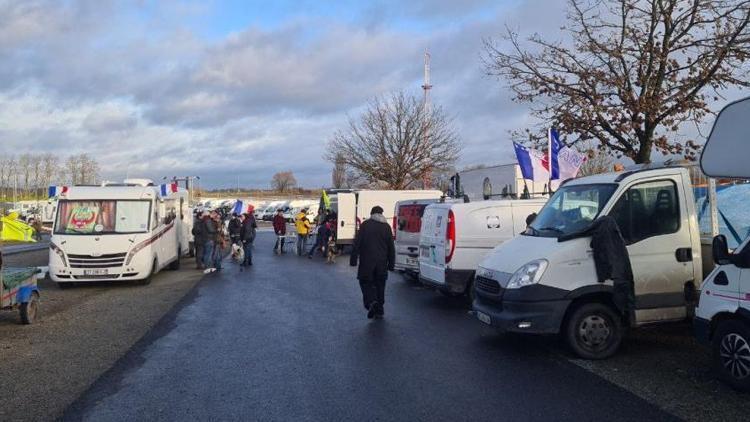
(345, 207)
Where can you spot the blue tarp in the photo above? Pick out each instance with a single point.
(733, 203)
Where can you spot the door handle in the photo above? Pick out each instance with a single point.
(684, 254)
(342, 223)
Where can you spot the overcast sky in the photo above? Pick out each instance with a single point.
(227, 88)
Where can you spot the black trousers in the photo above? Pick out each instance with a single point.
(373, 290)
(198, 249)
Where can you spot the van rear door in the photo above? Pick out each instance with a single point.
(432, 243)
(346, 211)
(407, 225)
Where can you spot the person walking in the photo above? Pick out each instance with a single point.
(247, 237)
(373, 247)
(199, 239)
(279, 227)
(321, 239)
(303, 230)
(235, 227)
(212, 228)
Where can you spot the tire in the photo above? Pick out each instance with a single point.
(146, 281)
(65, 285)
(593, 331)
(175, 265)
(30, 309)
(731, 353)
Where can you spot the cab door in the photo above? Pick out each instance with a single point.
(654, 220)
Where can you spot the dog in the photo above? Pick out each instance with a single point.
(238, 255)
(331, 255)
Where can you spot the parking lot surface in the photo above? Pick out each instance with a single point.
(289, 340)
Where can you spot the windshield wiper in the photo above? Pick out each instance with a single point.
(551, 229)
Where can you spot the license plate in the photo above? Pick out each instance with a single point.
(484, 318)
(424, 251)
(97, 271)
(412, 261)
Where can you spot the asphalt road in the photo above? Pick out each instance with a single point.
(289, 340)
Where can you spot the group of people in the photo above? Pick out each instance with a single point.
(326, 232)
(212, 241)
(373, 251)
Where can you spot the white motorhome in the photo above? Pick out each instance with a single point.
(455, 237)
(723, 315)
(353, 207)
(118, 232)
(545, 281)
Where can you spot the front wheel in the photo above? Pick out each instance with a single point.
(731, 353)
(146, 281)
(30, 309)
(175, 265)
(593, 331)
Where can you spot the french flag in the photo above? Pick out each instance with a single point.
(167, 189)
(238, 207)
(531, 162)
(54, 191)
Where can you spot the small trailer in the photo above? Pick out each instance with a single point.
(18, 290)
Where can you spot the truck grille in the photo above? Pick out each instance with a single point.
(102, 261)
(487, 285)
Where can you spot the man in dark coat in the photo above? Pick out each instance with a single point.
(199, 239)
(247, 237)
(374, 248)
(235, 227)
(279, 227)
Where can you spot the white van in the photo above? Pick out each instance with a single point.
(122, 232)
(454, 238)
(545, 281)
(353, 207)
(407, 223)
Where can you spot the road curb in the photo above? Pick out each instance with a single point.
(7, 251)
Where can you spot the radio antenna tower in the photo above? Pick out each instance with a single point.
(427, 86)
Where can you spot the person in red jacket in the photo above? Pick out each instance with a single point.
(279, 227)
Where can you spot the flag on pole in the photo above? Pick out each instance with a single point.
(238, 207)
(563, 161)
(325, 200)
(167, 189)
(54, 191)
(531, 162)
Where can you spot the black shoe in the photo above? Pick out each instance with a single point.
(379, 311)
(372, 310)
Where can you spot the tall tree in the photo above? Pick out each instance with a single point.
(632, 71)
(396, 143)
(283, 181)
(338, 176)
(50, 169)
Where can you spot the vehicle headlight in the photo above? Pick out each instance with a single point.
(59, 252)
(528, 274)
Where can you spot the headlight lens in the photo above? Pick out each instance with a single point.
(59, 253)
(528, 274)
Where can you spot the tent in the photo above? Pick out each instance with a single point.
(15, 230)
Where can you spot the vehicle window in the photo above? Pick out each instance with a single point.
(647, 210)
(102, 217)
(410, 217)
(570, 210)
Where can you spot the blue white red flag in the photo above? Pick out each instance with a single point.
(239, 207)
(54, 191)
(167, 189)
(531, 163)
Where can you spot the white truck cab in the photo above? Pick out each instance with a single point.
(723, 315)
(545, 282)
(456, 236)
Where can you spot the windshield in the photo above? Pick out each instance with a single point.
(102, 217)
(570, 210)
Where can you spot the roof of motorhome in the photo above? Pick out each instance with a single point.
(112, 192)
(616, 177)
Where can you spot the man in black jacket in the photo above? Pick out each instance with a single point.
(247, 237)
(374, 248)
(199, 239)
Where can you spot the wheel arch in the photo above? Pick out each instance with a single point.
(589, 294)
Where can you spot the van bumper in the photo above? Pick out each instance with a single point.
(456, 281)
(702, 330)
(539, 317)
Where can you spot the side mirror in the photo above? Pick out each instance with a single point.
(720, 250)
(530, 218)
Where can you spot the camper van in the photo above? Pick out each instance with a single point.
(545, 281)
(128, 231)
(352, 207)
(722, 319)
(454, 238)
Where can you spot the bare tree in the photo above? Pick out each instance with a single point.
(396, 142)
(50, 169)
(72, 169)
(283, 181)
(24, 172)
(632, 72)
(5, 175)
(338, 176)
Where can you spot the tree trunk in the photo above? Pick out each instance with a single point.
(643, 155)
